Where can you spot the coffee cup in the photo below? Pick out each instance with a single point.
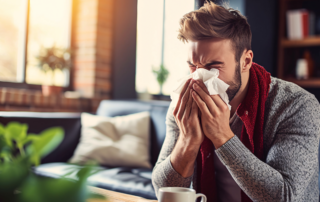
(179, 194)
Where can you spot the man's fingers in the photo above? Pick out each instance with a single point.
(202, 86)
(201, 104)
(188, 105)
(216, 98)
(206, 98)
(175, 111)
(184, 101)
(219, 102)
(194, 109)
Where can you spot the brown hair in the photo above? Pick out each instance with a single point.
(214, 21)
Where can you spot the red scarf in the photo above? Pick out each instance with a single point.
(251, 112)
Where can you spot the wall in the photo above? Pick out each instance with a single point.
(92, 38)
(124, 55)
(262, 17)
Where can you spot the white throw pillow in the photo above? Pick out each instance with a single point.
(116, 141)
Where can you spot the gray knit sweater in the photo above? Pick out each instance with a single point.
(291, 141)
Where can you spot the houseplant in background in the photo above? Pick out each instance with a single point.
(51, 59)
(19, 151)
(161, 74)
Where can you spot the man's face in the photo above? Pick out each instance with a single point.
(218, 54)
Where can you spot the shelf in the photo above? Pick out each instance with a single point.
(310, 41)
(313, 82)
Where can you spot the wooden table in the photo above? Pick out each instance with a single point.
(113, 196)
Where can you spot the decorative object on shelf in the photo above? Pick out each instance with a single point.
(297, 24)
(300, 24)
(162, 74)
(312, 23)
(51, 59)
(51, 90)
(302, 69)
(310, 63)
(20, 151)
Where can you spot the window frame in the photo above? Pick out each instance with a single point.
(24, 84)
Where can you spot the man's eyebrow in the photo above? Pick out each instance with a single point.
(208, 64)
(190, 63)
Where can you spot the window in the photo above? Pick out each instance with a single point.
(157, 42)
(12, 39)
(25, 27)
(238, 5)
(156, 45)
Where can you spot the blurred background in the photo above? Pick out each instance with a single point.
(68, 55)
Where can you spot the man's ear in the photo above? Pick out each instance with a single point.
(247, 60)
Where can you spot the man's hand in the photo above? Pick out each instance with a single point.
(215, 115)
(186, 116)
(191, 136)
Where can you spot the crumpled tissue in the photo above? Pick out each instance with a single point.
(211, 81)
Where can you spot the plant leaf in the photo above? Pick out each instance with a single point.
(39, 189)
(5, 154)
(12, 174)
(16, 131)
(4, 144)
(2, 129)
(30, 138)
(48, 140)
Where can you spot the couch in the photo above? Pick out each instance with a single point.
(135, 181)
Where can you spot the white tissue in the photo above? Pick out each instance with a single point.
(210, 79)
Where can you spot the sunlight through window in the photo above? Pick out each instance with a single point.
(49, 25)
(12, 39)
(149, 43)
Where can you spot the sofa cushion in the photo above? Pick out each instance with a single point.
(116, 141)
(157, 109)
(134, 181)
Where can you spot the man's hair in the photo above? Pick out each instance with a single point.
(214, 21)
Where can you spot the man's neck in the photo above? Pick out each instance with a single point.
(235, 102)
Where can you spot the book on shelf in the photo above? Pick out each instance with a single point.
(300, 24)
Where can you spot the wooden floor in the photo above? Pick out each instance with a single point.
(113, 196)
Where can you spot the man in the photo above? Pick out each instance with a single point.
(265, 148)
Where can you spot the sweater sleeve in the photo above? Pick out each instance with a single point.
(163, 174)
(291, 162)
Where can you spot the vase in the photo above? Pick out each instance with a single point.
(302, 69)
(51, 90)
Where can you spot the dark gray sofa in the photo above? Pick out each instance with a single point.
(135, 181)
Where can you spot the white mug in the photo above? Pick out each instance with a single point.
(179, 194)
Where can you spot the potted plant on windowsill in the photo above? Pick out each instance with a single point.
(161, 74)
(51, 59)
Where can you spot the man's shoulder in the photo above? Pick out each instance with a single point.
(284, 94)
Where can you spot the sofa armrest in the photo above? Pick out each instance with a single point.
(39, 121)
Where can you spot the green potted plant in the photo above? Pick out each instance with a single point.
(51, 59)
(20, 151)
(161, 74)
